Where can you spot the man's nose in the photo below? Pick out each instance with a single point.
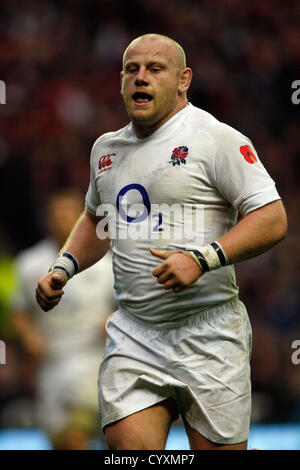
(141, 76)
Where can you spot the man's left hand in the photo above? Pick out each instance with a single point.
(177, 271)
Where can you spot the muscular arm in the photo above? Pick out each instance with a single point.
(256, 233)
(84, 244)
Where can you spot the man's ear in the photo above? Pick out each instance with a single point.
(185, 80)
(121, 81)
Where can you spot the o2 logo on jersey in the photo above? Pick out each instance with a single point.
(146, 206)
(146, 202)
(248, 154)
(144, 220)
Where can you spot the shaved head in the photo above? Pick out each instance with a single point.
(179, 54)
(154, 81)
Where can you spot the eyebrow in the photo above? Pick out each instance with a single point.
(160, 63)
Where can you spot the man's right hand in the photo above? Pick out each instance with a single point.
(49, 289)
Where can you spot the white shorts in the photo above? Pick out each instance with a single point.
(204, 364)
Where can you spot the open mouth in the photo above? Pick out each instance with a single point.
(140, 97)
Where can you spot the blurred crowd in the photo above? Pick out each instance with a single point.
(61, 64)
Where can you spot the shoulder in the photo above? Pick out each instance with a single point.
(219, 132)
(226, 136)
(198, 119)
(111, 138)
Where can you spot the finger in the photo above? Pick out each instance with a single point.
(46, 308)
(170, 283)
(50, 297)
(54, 295)
(178, 288)
(45, 288)
(46, 305)
(58, 279)
(163, 254)
(159, 253)
(158, 270)
(165, 276)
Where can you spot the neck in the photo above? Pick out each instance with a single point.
(142, 130)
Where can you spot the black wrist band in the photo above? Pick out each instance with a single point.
(202, 261)
(74, 261)
(220, 253)
(61, 268)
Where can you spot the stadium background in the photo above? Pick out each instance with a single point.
(60, 61)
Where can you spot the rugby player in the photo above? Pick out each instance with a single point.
(180, 342)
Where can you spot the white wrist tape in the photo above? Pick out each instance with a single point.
(210, 257)
(66, 262)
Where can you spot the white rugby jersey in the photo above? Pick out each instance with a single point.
(207, 171)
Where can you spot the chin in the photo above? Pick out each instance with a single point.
(142, 118)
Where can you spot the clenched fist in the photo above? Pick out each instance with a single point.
(177, 271)
(49, 289)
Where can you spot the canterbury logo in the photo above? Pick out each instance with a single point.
(105, 162)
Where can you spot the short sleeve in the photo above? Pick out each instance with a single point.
(92, 199)
(238, 173)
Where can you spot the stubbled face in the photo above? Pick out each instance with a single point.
(150, 82)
